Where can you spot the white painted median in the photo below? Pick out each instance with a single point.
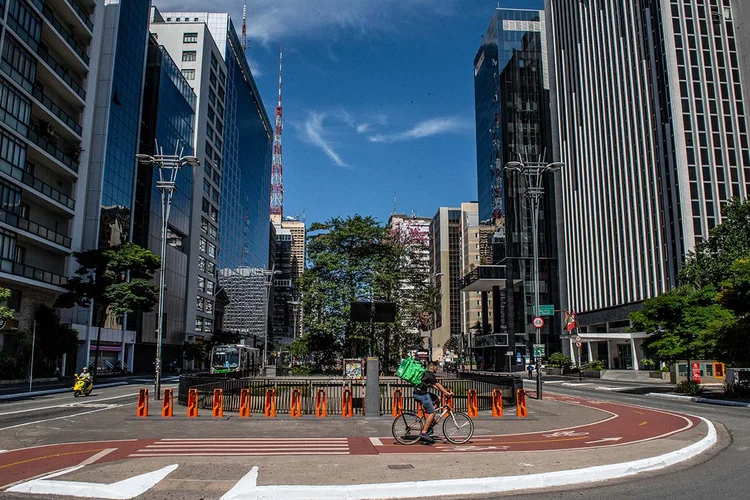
(248, 489)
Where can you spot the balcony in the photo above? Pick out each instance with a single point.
(483, 278)
(82, 14)
(37, 185)
(59, 70)
(34, 273)
(34, 228)
(57, 111)
(52, 150)
(60, 29)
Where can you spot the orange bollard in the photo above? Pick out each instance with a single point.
(472, 405)
(497, 403)
(142, 410)
(167, 405)
(397, 406)
(346, 403)
(295, 409)
(218, 407)
(447, 401)
(270, 408)
(321, 404)
(192, 406)
(244, 402)
(521, 410)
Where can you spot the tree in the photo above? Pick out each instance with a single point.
(684, 323)
(733, 345)
(53, 338)
(6, 313)
(115, 280)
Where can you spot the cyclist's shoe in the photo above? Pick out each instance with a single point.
(431, 431)
(427, 438)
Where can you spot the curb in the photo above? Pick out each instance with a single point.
(698, 399)
(23, 395)
(247, 487)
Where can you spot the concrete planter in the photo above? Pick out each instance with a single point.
(592, 373)
(554, 371)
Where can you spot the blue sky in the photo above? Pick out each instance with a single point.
(378, 98)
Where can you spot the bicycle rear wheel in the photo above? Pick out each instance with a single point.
(458, 428)
(407, 427)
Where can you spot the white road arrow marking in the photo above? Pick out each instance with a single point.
(566, 434)
(125, 489)
(604, 440)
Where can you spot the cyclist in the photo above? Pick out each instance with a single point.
(429, 400)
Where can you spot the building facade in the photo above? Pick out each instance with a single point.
(298, 262)
(652, 154)
(47, 80)
(445, 258)
(513, 123)
(284, 289)
(168, 120)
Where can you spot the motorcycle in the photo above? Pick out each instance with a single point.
(82, 386)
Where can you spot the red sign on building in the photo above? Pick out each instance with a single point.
(696, 372)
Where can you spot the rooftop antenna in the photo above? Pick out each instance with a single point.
(244, 28)
(277, 187)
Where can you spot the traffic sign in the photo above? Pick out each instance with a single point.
(538, 322)
(578, 338)
(538, 350)
(578, 344)
(546, 310)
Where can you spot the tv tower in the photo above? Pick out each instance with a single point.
(277, 188)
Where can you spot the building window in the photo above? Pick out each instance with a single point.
(215, 195)
(19, 64)
(201, 263)
(211, 115)
(206, 187)
(204, 225)
(209, 287)
(210, 268)
(214, 214)
(209, 306)
(212, 250)
(212, 231)
(208, 325)
(214, 61)
(206, 206)
(201, 284)
(189, 74)
(189, 55)
(198, 324)
(217, 178)
(190, 38)
(15, 110)
(199, 303)
(212, 78)
(202, 244)
(11, 150)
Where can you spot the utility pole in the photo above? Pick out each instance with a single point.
(532, 174)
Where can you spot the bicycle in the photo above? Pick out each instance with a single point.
(458, 428)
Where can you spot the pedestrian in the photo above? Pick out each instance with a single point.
(530, 369)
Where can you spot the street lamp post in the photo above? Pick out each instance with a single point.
(168, 166)
(295, 304)
(269, 274)
(532, 175)
(433, 282)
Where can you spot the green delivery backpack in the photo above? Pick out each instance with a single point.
(411, 370)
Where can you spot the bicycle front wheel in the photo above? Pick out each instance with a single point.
(458, 428)
(407, 427)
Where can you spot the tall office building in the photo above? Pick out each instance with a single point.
(233, 143)
(653, 135)
(47, 81)
(445, 258)
(168, 119)
(299, 253)
(511, 90)
(282, 308)
(476, 250)
(741, 12)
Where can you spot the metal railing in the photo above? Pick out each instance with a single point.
(65, 34)
(61, 72)
(57, 110)
(37, 184)
(32, 227)
(34, 273)
(52, 150)
(82, 14)
(334, 388)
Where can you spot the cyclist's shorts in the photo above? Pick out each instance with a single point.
(428, 402)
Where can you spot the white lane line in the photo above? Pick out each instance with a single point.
(67, 405)
(241, 448)
(376, 442)
(60, 418)
(249, 454)
(96, 457)
(255, 439)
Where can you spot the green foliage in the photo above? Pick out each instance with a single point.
(595, 365)
(5, 312)
(194, 351)
(302, 370)
(737, 391)
(684, 323)
(559, 360)
(53, 339)
(689, 387)
(649, 364)
(453, 344)
(357, 259)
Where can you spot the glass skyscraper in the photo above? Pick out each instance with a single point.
(168, 118)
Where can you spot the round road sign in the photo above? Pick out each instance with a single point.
(538, 322)
(578, 344)
(578, 338)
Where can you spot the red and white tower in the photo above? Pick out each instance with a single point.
(277, 188)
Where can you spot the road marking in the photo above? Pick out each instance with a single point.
(643, 423)
(58, 418)
(565, 434)
(55, 455)
(472, 448)
(64, 405)
(604, 440)
(96, 457)
(376, 442)
(125, 489)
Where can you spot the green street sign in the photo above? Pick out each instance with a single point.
(538, 350)
(546, 310)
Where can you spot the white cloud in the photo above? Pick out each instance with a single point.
(313, 131)
(363, 127)
(426, 128)
(274, 19)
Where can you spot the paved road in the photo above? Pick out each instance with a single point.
(721, 477)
